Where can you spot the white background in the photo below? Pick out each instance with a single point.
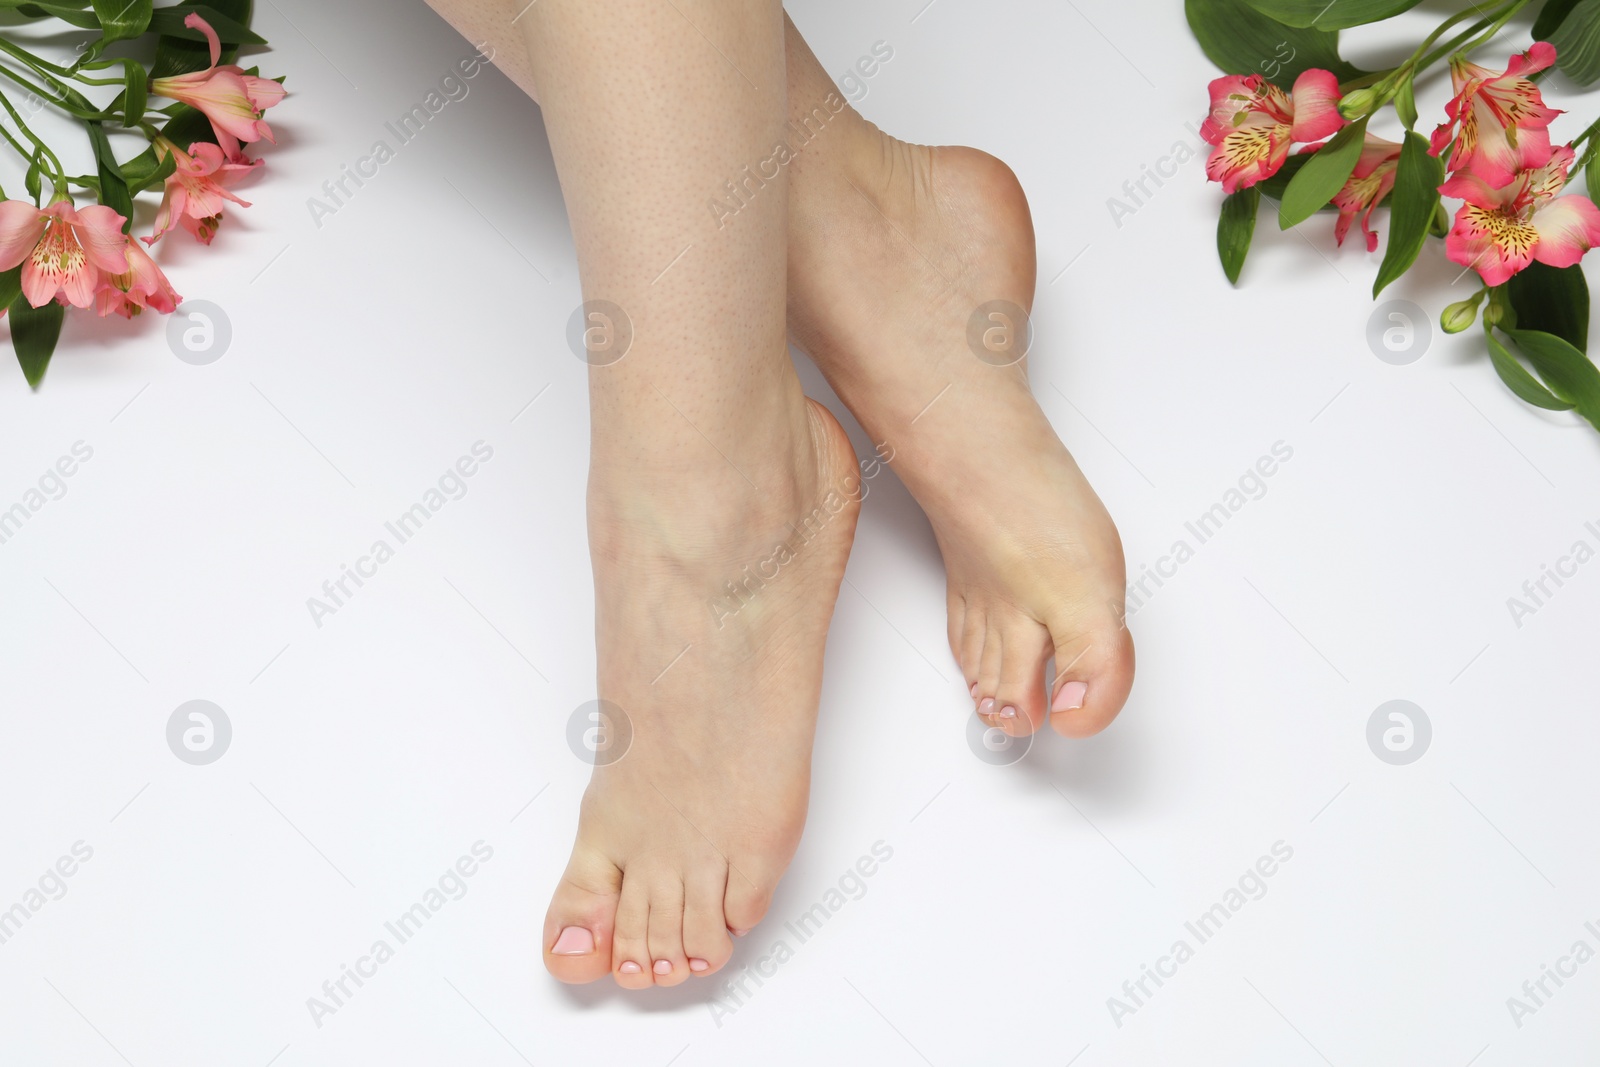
(370, 352)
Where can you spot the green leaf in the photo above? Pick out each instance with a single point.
(1552, 300)
(33, 181)
(34, 333)
(114, 192)
(187, 126)
(82, 19)
(1567, 371)
(1577, 43)
(1339, 15)
(136, 93)
(1591, 178)
(1320, 180)
(1411, 207)
(1241, 40)
(1405, 103)
(1235, 228)
(1518, 380)
(168, 21)
(10, 285)
(147, 169)
(122, 19)
(1551, 16)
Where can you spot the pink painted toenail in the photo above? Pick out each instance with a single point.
(699, 965)
(574, 941)
(1008, 712)
(986, 707)
(1071, 697)
(629, 967)
(737, 933)
(663, 966)
(974, 690)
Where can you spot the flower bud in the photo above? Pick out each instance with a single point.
(1439, 225)
(1460, 316)
(1358, 104)
(1494, 314)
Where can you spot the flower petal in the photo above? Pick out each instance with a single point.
(1492, 243)
(1567, 228)
(21, 226)
(195, 22)
(1316, 106)
(99, 230)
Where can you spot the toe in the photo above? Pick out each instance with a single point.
(665, 938)
(989, 673)
(630, 954)
(1094, 673)
(578, 927)
(971, 653)
(745, 902)
(705, 927)
(1020, 695)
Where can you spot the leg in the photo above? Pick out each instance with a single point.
(892, 248)
(721, 501)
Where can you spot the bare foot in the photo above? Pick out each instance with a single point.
(712, 615)
(892, 249)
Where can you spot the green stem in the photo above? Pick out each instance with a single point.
(1498, 25)
(58, 177)
(62, 94)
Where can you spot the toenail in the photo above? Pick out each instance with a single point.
(663, 966)
(986, 707)
(574, 941)
(1071, 697)
(629, 967)
(699, 965)
(1008, 712)
(738, 933)
(974, 690)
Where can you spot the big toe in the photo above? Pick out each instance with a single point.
(1094, 673)
(578, 927)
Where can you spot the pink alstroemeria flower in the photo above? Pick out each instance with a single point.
(230, 98)
(1499, 121)
(1500, 231)
(194, 193)
(63, 249)
(141, 286)
(1253, 123)
(1371, 181)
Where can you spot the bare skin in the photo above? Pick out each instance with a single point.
(890, 247)
(708, 465)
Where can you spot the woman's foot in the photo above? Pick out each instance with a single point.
(712, 602)
(893, 249)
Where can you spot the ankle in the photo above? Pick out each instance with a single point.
(700, 502)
